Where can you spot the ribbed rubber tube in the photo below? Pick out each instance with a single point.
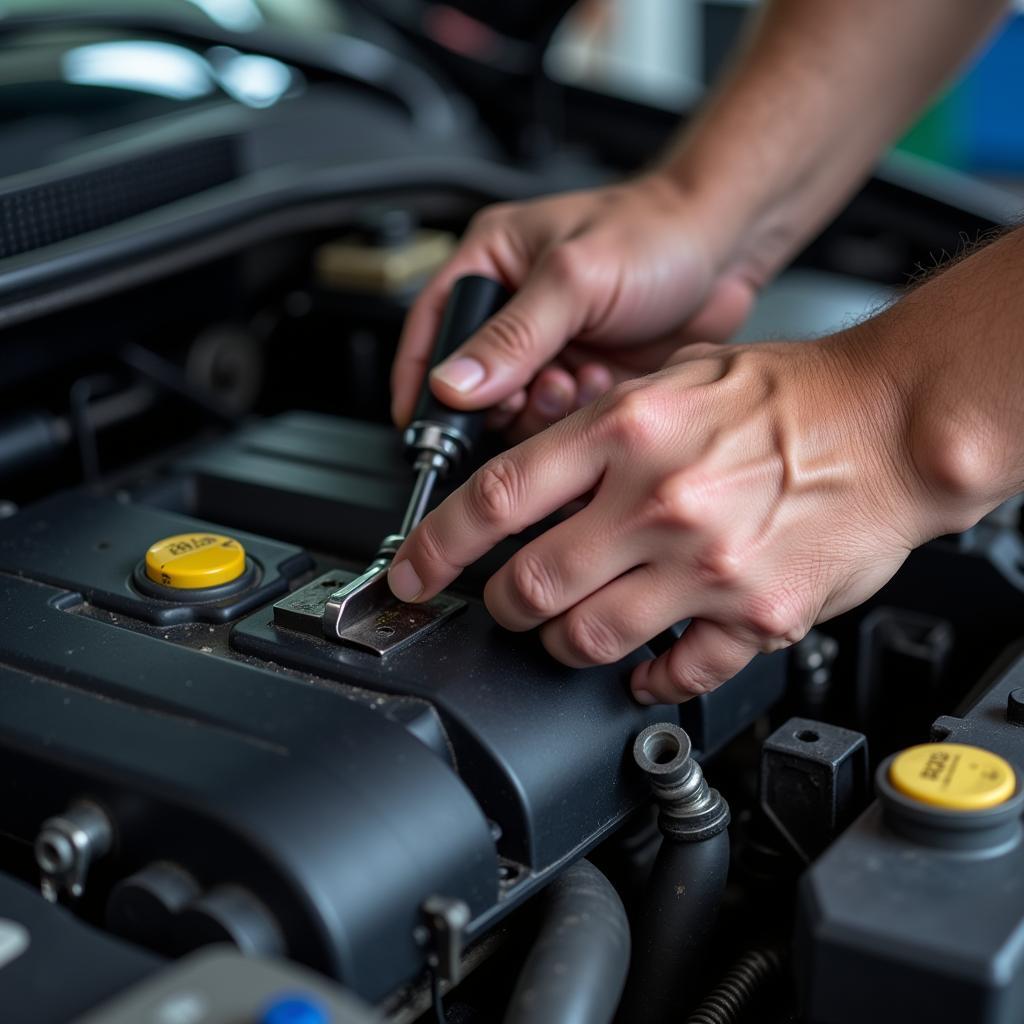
(742, 986)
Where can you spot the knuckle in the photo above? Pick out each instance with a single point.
(534, 585)
(719, 564)
(689, 680)
(489, 218)
(568, 264)
(494, 490)
(591, 640)
(511, 335)
(679, 503)
(775, 616)
(634, 422)
(431, 552)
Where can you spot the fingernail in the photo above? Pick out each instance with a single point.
(404, 582)
(643, 697)
(551, 400)
(591, 389)
(462, 374)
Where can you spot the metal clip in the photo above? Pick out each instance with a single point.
(446, 921)
(67, 845)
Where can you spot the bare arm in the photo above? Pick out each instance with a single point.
(816, 92)
(603, 276)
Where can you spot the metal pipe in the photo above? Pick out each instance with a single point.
(687, 881)
(577, 967)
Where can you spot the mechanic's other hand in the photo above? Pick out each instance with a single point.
(755, 489)
(600, 278)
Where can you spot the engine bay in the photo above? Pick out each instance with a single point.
(211, 809)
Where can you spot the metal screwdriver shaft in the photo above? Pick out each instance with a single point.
(428, 472)
(437, 441)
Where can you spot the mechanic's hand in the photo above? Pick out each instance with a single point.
(757, 489)
(600, 278)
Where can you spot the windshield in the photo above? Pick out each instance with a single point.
(66, 79)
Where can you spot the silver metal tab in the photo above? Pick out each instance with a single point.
(361, 611)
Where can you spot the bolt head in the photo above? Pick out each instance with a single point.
(1015, 706)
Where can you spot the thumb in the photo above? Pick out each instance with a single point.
(508, 351)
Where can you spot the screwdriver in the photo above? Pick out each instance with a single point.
(437, 441)
(439, 437)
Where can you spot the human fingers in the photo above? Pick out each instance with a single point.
(510, 492)
(703, 658)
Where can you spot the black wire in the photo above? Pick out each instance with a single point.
(436, 997)
(171, 378)
(83, 391)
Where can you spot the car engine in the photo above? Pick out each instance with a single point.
(215, 813)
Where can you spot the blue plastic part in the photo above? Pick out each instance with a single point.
(993, 136)
(294, 1009)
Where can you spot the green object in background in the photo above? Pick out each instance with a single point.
(937, 135)
(976, 125)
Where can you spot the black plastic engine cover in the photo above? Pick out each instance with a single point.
(306, 792)
(543, 747)
(337, 788)
(339, 819)
(93, 546)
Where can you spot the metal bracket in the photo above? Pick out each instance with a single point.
(379, 623)
(446, 923)
(67, 845)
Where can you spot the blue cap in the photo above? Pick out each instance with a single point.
(294, 1009)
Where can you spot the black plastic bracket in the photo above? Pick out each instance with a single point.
(814, 781)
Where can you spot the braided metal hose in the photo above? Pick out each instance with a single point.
(740, 987)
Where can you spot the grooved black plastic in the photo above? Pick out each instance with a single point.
(41, 214)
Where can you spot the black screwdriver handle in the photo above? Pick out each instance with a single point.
(472, 302)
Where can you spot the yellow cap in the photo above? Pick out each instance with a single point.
(190, 561)
(953, 776)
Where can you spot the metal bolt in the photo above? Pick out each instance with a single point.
(1015, 706)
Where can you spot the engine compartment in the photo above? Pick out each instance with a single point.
(393, 836)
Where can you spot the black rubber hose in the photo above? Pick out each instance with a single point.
(744, 984)
(30, 439)
(577, 967)
(679, 914)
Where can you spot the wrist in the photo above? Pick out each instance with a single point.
(752, 216)
(938, 452)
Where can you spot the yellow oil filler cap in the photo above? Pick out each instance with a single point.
(953, 776)
(193, 561)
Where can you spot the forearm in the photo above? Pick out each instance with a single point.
(819, 89)
(954, 347)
